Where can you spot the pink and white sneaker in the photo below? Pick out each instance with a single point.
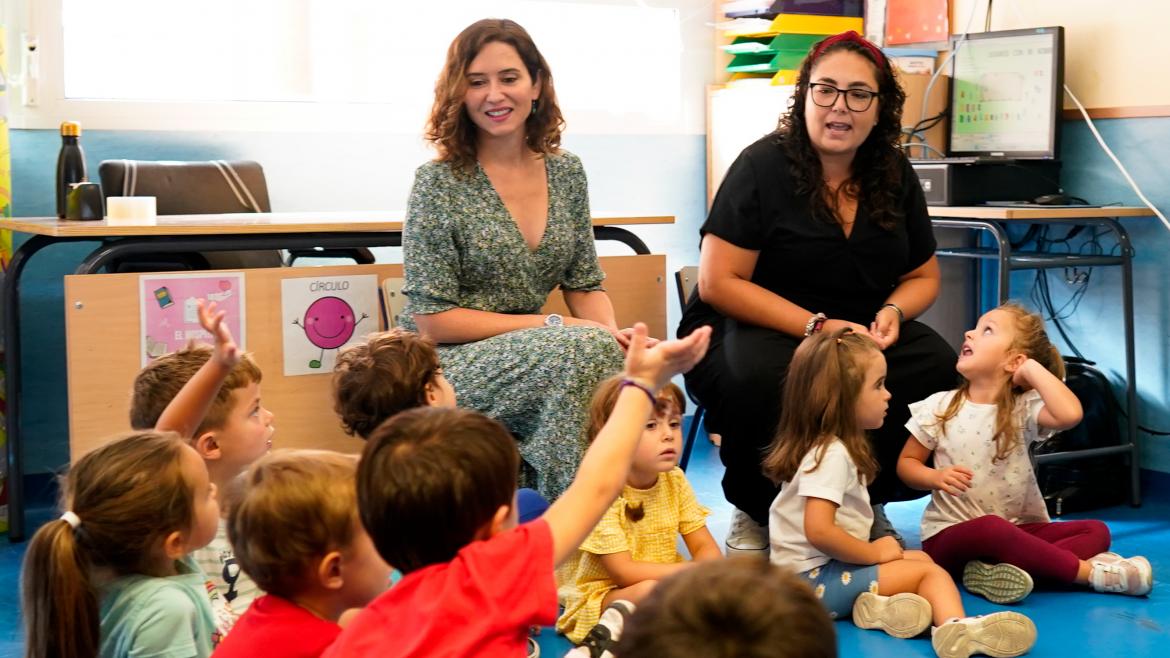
(1121, 575)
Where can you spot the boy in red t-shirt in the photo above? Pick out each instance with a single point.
(436, 491)
(296, 532)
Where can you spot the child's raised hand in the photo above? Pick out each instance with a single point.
(888, 549)
(657, 364)
(954, 479)
(227, 352)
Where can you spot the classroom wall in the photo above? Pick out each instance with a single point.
(1105, 46)
(650, 174)
(657, 174)
(1096, 326)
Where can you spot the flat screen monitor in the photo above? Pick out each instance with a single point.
(1006, 94)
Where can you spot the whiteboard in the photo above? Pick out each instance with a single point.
(736, 117)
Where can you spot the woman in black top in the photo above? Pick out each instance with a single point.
(818, 226)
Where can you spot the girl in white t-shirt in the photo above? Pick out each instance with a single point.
(986, 516)
(819, 523)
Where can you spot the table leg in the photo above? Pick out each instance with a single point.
(12, 392)
(1131, 424)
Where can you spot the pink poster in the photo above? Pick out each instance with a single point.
(170, 316)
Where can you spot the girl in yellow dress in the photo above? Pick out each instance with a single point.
(635, 544)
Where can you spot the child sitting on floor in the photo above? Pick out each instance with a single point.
(388, 372)
(296, 532)
(114, 575)
(820, 522)
(707, 612)
(986, 517)
(635, 544)
(392, 371)
(231, 430)
(436, 490)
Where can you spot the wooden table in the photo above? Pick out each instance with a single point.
(171, 234)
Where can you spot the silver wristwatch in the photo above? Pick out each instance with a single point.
(554, 320)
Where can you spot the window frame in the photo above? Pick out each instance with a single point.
(40, 22)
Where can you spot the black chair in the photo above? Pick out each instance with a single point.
(686, 280)
(203, 187)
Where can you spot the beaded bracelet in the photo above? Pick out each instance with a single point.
(630, 381)
(814, 324)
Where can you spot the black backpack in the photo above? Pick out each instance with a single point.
(1083, 484)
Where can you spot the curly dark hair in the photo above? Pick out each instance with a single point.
(386, 374)
(452, 131)
(877, 166)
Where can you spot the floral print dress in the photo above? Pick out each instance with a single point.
(462, 248)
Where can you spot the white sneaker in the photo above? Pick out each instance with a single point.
(746, 537)
(998, 583)
(1001, 634)
(603, 637)
(901, 615)
(1108, 557)
(1113, 573)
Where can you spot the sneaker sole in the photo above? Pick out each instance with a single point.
(901, 615)
(1000, 635)
(759, 553)
(998, 583)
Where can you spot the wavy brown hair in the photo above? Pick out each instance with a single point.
(382, 376)
(129, 494)
(452, 131)
(876, 176)
(820, 404)
(1031, 340)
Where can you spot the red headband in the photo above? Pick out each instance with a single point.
(855, 38)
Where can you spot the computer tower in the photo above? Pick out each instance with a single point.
(970, 183)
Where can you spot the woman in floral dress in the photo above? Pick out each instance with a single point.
(493, 225)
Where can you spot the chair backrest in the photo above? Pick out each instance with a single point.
(393, 300)
(192, 188)
(189, 188)
(686, 279)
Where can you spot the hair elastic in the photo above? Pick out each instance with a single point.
(856, 38)
(72, 519)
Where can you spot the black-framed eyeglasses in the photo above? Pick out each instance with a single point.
(857, 100)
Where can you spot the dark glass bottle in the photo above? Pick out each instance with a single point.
(70, 163)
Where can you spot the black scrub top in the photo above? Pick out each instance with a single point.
(808, 261)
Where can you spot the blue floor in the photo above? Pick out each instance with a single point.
(1079, 623)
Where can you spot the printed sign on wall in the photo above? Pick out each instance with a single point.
(170, 315)
(323, 314)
